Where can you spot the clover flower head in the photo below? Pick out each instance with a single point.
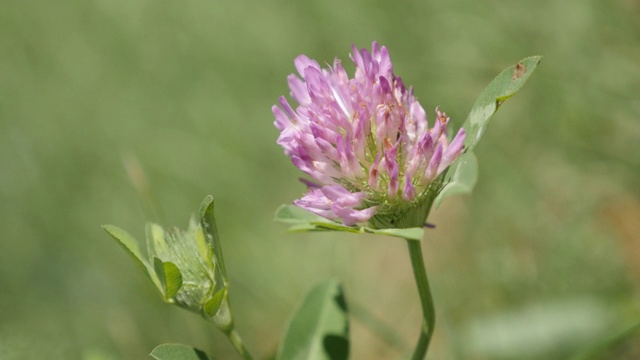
(364, 140)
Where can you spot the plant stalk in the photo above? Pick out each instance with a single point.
(426, 300)
(236, 340)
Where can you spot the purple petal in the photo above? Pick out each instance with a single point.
(288, 109)
(317, 203)
(342, 196)
(419, 155)
(374, 175)
(351, 216)
(348, 161)
(333, 202)
(319, 171)
(328, 149)
(432, 169)
(453, 150)
(309, 183)
(302, 62)
(282, 120)
(408, 192)
(298, 90)
(394, 182)
(317, 85)
(384, 84)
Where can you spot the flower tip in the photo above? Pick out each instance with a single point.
(310, 184)
(408, 192)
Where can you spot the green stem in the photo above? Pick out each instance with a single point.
(428, 311)
(236, 340)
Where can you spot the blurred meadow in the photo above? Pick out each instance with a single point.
(542, 261)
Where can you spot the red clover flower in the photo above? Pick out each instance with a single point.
(365, 141)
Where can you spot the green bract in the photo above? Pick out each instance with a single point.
(302, 221)
(185, 266)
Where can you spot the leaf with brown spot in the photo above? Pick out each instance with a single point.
(501, 88)
(518, 71)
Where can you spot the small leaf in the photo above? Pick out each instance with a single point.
(408, 234)
(320, 328)
(502, 87)
(212, 306)
(461, 178)
(208, 222)
(129, 244)
(178, 352)
(169, 276)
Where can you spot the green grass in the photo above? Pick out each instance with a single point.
(541, 262)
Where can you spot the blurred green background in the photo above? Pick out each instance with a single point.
(540, 262)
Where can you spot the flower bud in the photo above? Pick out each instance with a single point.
(186, 267)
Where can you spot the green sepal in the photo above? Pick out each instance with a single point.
(319, 330)
(301, 220)
(178, 352)
(170, 278)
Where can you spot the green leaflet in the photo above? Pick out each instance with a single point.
(178, 352)
(130, 244)
(212, 306)
(320, 328)
(501, 88)
(169, 276)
